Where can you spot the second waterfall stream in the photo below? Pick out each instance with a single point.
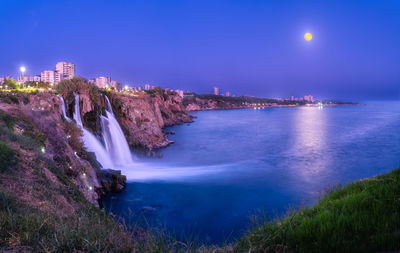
(114, 138)
(115, 153)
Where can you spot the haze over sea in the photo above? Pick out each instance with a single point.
(230, 165)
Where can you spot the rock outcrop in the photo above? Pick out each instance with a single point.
(142, 118)
(112, 180)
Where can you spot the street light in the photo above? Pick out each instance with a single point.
(22, 69)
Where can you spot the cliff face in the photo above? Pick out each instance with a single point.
(48, 146)
(143, 117)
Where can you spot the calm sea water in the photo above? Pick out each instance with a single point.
(231, 165)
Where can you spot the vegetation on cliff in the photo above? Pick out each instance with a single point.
(67, 88)
(363, 216)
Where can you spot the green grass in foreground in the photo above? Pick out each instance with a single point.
(363, 216)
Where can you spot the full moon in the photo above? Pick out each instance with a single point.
(308, 36)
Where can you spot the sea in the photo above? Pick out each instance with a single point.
(229, 170)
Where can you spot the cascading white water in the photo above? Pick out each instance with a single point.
(77, 112)
(63, 109)
(114, 138)
(90, 141)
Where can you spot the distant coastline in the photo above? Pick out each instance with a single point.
(204, 102)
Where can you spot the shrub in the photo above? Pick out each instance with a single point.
(10, 83)
(7, 119)
(75, 135)
(7, 157)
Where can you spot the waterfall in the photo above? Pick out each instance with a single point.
(63, 109)
(77, 112)
(116, 152)
(114, 138)
(90, 141)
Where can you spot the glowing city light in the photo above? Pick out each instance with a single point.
(22, 69)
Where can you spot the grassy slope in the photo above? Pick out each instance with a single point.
(40, 207)
(363, 216)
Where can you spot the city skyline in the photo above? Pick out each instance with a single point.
(195, 45)
(67, 70)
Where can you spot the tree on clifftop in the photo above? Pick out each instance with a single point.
(78, 85)
(10, 84)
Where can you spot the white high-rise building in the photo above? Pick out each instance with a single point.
(66, 69)
(103, 82)
(50, 76)
(216, 90)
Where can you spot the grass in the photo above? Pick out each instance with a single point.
(363, 216)
(91, 230)
(8, 157)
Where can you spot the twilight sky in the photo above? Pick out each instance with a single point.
(253, 47)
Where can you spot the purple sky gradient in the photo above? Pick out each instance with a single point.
(247, 47)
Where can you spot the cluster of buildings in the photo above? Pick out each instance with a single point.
(64, 70)
(308, 98)
(67, 70)
(217, 92)
(105, 82)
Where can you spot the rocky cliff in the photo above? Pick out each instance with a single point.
(142, 117)
(52, 145)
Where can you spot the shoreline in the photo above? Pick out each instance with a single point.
(273, 106)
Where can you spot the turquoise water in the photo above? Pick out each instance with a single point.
(232, 165)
